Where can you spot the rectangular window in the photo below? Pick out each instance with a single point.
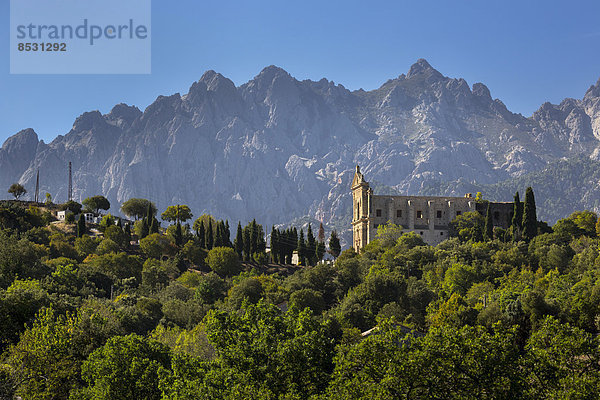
(378, 212)
(439, 214)
(398, 213)
(419, 214)
(458, 213)
(441, 233)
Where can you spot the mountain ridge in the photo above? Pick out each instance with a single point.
(276, 148)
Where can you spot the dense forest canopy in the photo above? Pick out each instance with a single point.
(197, 311)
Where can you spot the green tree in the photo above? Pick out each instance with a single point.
(311, 246)
(467, 226)
(72, 206)
(81, 226)
(155, 245)
(238, 242)
(106, 221)
(178, 213)
(48, 199)
(138, 208)
(126, 367)
(209, 236)
(200, 232)
(17, 190)
(301, 248)
(96, 203)
(224, 261)
(489, 224)
(115, 234)
(334, 245)
(43, 363)
(267, 354)
(178, 235)
(107, 246)
(154, 226)
(529, 215)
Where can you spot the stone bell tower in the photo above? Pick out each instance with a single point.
(361, 210)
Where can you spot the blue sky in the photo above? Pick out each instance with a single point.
(526, 52)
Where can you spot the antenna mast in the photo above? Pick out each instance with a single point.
(70, 183)
(37, 187)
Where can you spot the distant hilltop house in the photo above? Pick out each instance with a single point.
(427, 216)
(90, 218)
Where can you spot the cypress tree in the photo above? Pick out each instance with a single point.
(246, 242)
(154, 226)
(311, 247)
(334, 245)
(529, 215)
(127, 231)
(81, 225)
(238, 243)
(218, 236)
(489, 224)
(319, 251)
(321, 235)
(517, 217)
(149, 213)
(253, 238)
(209, 236)
(227, 239)
(301, 249)
(178, 234)
(201, 235)
(274, 245)
(145, 228)
(119, 223)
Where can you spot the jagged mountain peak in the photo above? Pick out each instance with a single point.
(422, 67)
(480, 90)
(23, 137)
(88, 120)
(593, 91)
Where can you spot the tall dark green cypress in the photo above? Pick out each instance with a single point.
(209, 236)
(334, 245)
(247, 243)
(201, 235)
(178, 234)
(238, 243)
(489, 224)
(145, 228)
(119, 223)
(529, 215)
(218, 235)
(154, 226)
(274, 245)
(81, 225)
(127, 231)
(227, 239)
(301, 249)
(253, 238)
(311, 246)
(517, 219)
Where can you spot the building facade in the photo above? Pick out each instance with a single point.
(427, 216)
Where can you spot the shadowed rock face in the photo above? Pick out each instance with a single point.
(277, 148)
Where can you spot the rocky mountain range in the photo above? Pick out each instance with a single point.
(276, 148)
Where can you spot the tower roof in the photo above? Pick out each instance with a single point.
(359, 179)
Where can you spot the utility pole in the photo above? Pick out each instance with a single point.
(37, 187)
(70, 183)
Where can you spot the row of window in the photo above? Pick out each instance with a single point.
(378, 213)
